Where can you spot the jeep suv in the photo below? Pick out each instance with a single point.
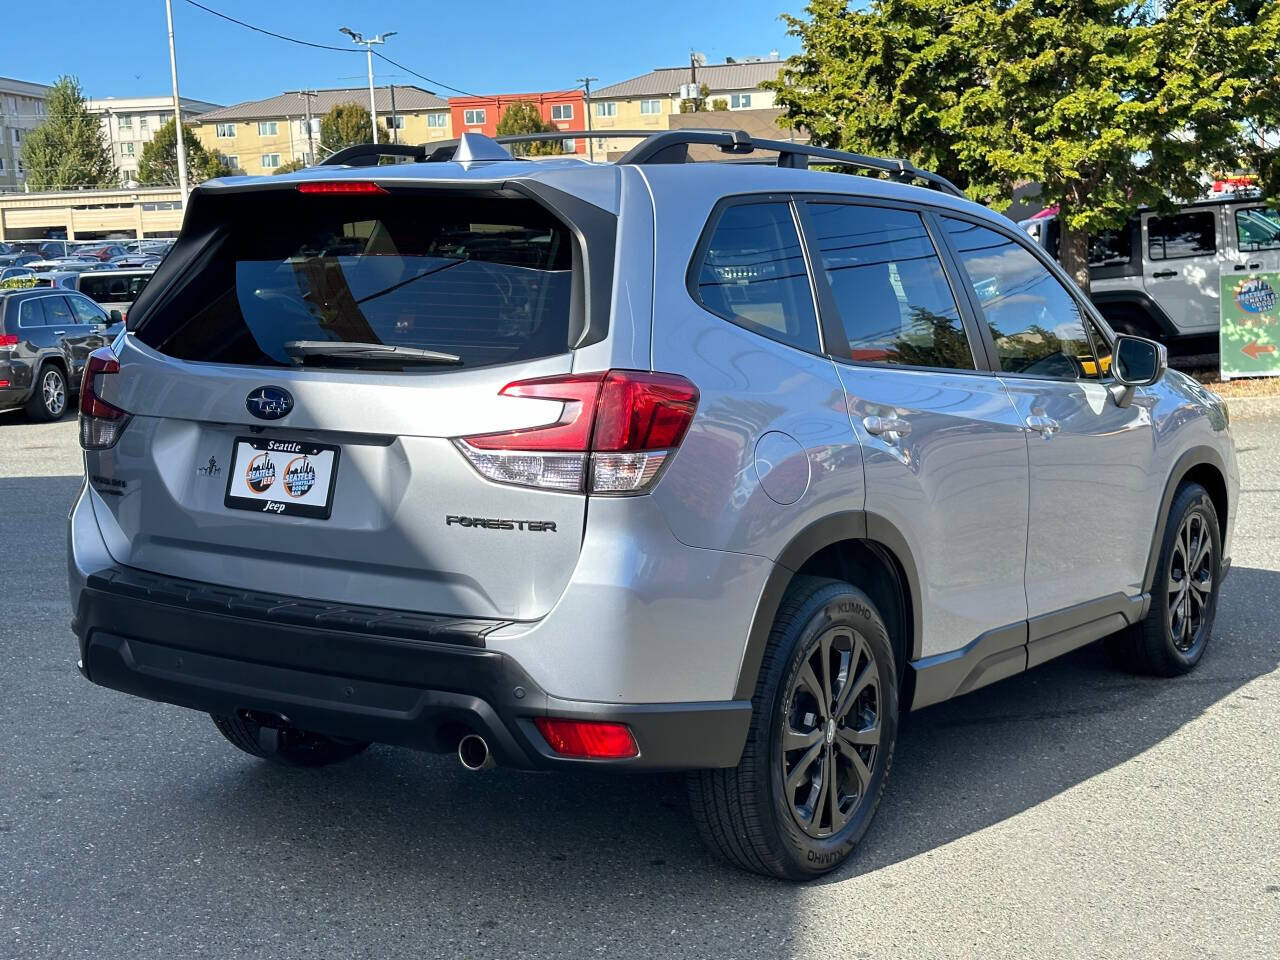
(1159, 275)
(716, 467)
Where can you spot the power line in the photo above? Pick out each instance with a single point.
(325, 46)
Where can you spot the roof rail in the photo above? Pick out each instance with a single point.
(368, 154)
(671, 146)
(666, 146)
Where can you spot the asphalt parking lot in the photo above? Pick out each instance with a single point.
(1073, 811)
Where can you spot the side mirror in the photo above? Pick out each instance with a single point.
(118, 317)
(1136, 362)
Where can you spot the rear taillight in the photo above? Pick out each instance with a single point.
(615, 433)
(101, 423)
(595, 739)
(8, 339)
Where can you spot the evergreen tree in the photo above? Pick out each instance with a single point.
(524, 117)
(158, 165)
(66, 151)
(348, 124)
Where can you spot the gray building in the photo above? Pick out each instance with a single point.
(130, 123)
(22, 108)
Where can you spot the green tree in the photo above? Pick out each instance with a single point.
(158, 165)
(348, 124)
(1106, 104)
(719, 103)
(67, 150)
(289, 167)
(523, 116)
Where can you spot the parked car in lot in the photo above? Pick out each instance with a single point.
(112, 289)
(1160, 275)
(10, 273)
(46, 335)
(18, 259)
(713, 467)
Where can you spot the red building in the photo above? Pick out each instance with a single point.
(563, 109)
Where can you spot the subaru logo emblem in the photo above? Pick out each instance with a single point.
(269, 403)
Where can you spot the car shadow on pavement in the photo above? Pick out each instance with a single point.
(424, 829)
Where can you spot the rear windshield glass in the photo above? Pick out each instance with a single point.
(487, 279)
(113, 287)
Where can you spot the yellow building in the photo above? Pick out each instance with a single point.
(260, 136)
(647, 102)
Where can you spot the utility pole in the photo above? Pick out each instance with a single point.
(305, 96)
(586, 85)
(368, 49)
(177, 110)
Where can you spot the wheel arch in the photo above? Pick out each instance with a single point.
(861, 548)
(1202, 465)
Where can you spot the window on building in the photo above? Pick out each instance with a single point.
(13, 106)
(395, 123)
(233, 161)
(270, 161)
(562, 111)
(1182, 235)
(268, 128)
(437, 120)
(740, 101)
(650, 107)
(124, 122)
(1258, 229)
(1, 164)
(606, 108)
(889, 287)
(753, 274)
(142, 124)
(126, 148)
(569, 146)
(1034, 320)
(473, 117)
(17, 136)
(224, 129)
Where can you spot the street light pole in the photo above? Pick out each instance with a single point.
(177, 110)
(586, 86)
(368, 49)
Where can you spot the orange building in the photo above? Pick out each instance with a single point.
(563, 109)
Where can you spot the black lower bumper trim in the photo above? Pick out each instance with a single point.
(347, 680)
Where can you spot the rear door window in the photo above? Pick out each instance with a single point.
(30, 314)
(56, 312)
(1182, 235)
(491, 280)
(889, 287)
(753, 274)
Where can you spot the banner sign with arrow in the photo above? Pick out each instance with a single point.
(1249, 339)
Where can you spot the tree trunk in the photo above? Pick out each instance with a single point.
(1073, 251)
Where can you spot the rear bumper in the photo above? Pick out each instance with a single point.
(360, 672)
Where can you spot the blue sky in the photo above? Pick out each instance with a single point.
(483, 46)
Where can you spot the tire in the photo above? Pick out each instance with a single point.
(1172, 638)
(748, 814)
(48, 401)
(289, 747)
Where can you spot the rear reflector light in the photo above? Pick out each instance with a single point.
(8, 340)
(615, 432)
(101, 423)
(340, 186)
(588, 738)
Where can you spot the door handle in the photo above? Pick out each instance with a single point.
(891, 428)
(58, 333)
(1045, 426)
(1164, 274)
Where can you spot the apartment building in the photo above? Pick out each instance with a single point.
(563, 109)
(22, 108)
(260, 136)
(647, 102)
(129, 123)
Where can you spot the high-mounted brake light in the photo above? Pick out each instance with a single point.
(101, 423)
(594, 739)
(615, 433)
(339, 186)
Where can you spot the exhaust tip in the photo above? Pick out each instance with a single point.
(473, 753)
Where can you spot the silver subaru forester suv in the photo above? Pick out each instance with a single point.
(716, 467)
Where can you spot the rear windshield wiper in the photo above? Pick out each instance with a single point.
(300, 351)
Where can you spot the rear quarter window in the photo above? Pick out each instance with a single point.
(489, 279)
